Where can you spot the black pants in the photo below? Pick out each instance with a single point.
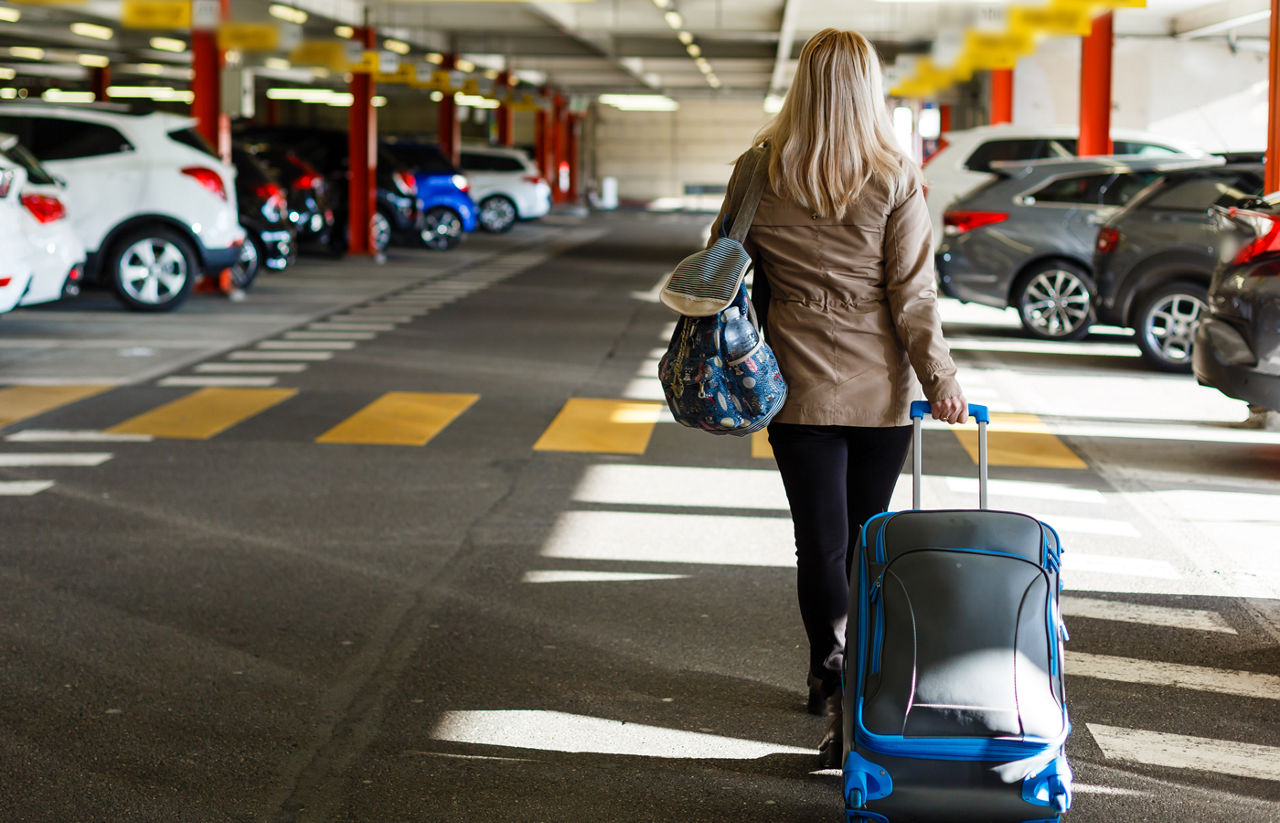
(837, 478)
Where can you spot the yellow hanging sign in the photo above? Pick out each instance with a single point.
(249, 36)
(329, 54)
(404, 73)
(156, 14)
(369, 63)
(1051, 20)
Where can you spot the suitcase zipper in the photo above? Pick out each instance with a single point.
(969, 748)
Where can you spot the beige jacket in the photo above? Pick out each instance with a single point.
(853, 309)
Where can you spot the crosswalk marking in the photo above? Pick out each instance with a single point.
(596, 425)
(376, 317)
(1074, 561)
(305, 345)
(330, 335)
(1020, 440)
(280, 355)
(400, 418)
(334, 326)
(203, 414)
(23, 488)
(74, 436)
(1028, 489)
(1178, 751)
(241, 381)
(558, 576)
(17, 460)
(22, 402)
(1194, 619)
(1157, 673)
(249, 368)
(1092, 525)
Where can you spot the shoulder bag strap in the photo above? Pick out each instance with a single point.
(756, 167)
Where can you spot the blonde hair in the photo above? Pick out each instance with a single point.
(833, 134)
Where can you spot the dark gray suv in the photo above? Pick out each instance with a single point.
(1027, 238)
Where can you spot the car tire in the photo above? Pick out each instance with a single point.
(498, 214)
(247, 268)
(1165, 324)
(379, 232)
(1055, 301)
(441, 228)
(152, 269)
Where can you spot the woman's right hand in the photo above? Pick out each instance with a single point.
(952, 409)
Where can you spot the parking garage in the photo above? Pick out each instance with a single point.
(338, 484)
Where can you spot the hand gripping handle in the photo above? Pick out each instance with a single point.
(919, 409)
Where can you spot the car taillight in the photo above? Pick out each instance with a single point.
(307, 180)
(4, 281)
(1108, 240)
(405, 183)
(460, 182)
(274, 198)
(1266, 240)
(532, 178)
(43, 208)
(959, 222)
(208, 178)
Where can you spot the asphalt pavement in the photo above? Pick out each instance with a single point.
(418, 542)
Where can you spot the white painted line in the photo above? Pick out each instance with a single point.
(1073, 561)
(1156, 673)
(329, 335)
(316, 345)
(74, 436)
(682, 486)
(678, 539)
(228, 381)
(352, 327)
(551, 576)
(1093, 525)
(23, 488)
(377, 318)
(280, 355)
(1193, 619)
(248, 368)
(1176, 751)
(1027, 489)
(19, 461)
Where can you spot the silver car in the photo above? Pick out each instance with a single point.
(1026, 239)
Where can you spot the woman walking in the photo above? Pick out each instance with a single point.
(842, 243)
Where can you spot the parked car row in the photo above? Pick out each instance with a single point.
(139, 202)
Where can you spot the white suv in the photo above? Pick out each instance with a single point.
(15, 265)
(54, 251)
(153, 205)
(506, 186)
(964, 161)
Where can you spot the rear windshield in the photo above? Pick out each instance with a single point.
(476, 161)
(194, 139)
(1199, 193)
(36, 173)
(421, 158)
(1032, 148)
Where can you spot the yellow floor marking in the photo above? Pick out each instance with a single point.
(760, 445)
(615, 426)
(400, 419)
(203, 414)
(1019, 440)
(20, 402)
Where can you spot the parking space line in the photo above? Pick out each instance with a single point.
(597, 425)
(1020, 440)
(400, 419)
(203, 414)
(216, 380)
(1179, 751)
(23, 402)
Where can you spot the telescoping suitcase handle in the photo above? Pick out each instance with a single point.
(918, 410)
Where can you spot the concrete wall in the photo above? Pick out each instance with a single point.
(1196, 90)
(656, 154)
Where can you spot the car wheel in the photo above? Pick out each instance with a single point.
(497, 214)
(249, 264)
(379, 232)
(152, 269)
(1055, 302)
(441, 228)
(1167, 319)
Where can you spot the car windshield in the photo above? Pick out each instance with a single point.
(194, 139)
(1199, 193)
(36, 173)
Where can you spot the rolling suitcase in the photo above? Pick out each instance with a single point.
(954, 708)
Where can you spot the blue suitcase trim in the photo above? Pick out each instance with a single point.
(1051, 786)
(863, 781)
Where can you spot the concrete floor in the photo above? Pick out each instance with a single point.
(256, 626)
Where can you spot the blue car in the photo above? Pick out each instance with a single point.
(447, 210)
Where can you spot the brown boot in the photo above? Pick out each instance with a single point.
(831, 749)
(817, 704)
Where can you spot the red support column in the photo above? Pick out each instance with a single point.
(1095, 89)
(504, 114)
(944, 115)
(206, 87)
(573, 135)
(542, 144)
(1001, 96)
(99, 79)
(362, 143)
(450, 128)
(1273, 110)
(559, 150)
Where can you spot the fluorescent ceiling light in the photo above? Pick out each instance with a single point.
(94, 61)
(26, 52)
(345, 32)
(10, 15)
(60, 96)
(8, 94)
(703, 65)
(685, 37)
(287, 13)
(150, 68)
(639, 102)
(328, 97)
(662, 4)
(674, 20)
(397, 46)
(161, 94)
(434, 57)
(773, 103)
(92, 30)
(7, 73)
(168, 44)
(1226, 25)
(378, 101)
(713, 81)
(277, 63)
(464, 65)
(437, 96)
(492, 74)
(694, 50)
(475, 101)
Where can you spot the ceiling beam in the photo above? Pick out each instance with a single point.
(1220, 18)
(563, 19)
(786, 34)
